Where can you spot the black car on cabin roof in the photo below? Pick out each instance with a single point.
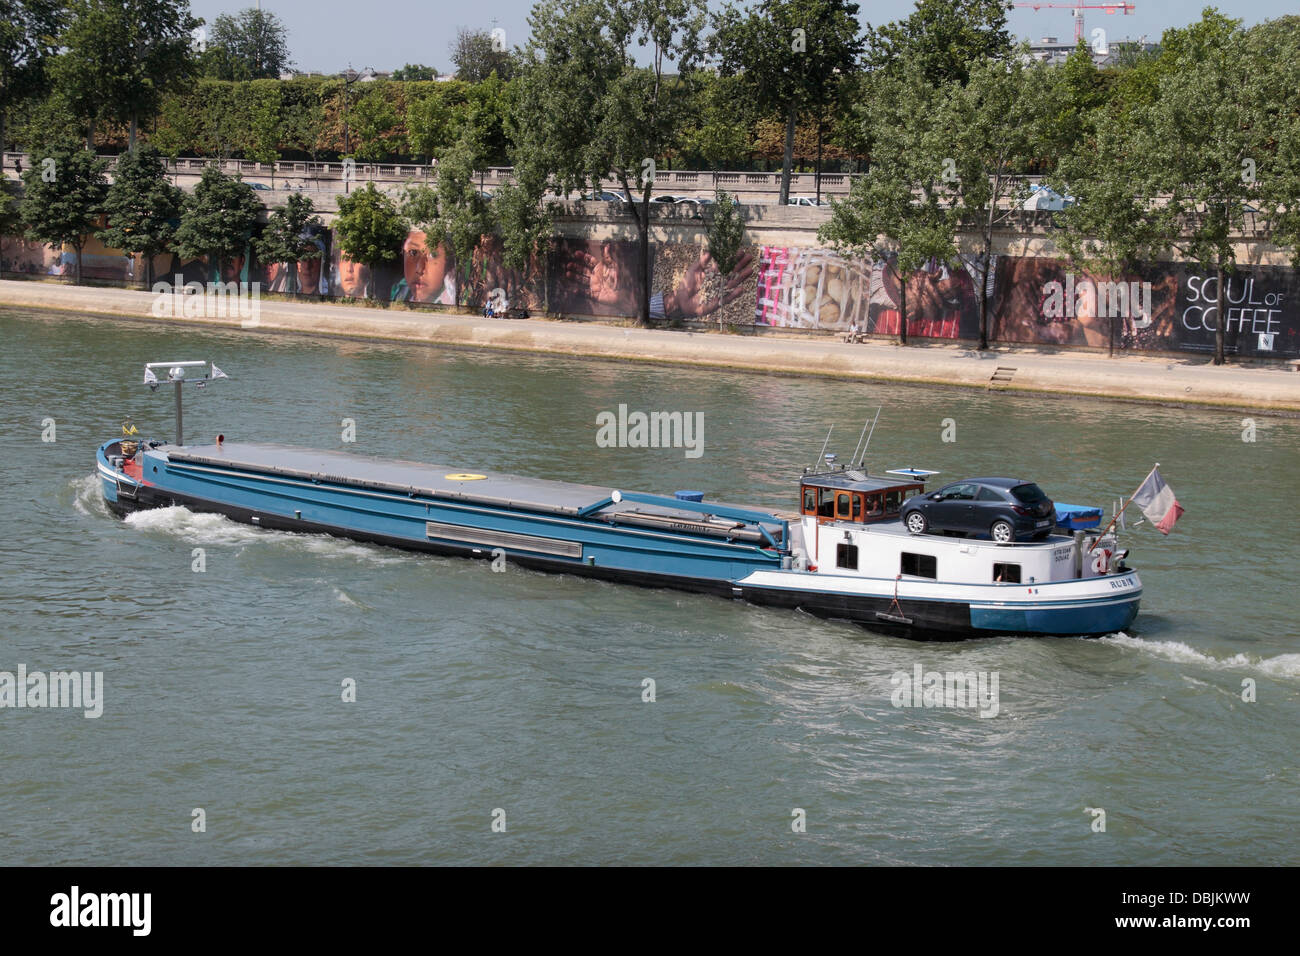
(1004, 509)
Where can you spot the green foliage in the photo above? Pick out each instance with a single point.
(249, 45)
(582, 110)
(721, 129)
(288, 236)
(477, 55)
(454, 210)
(28, 31)
(11, 219)
(904, 203)
(369, 229)
(943, 39)
(63, 195)
(142, 206)
(217, 219)
(725, 233)
(415, 71)
(121, 55)
(374, 125)
(788, 56)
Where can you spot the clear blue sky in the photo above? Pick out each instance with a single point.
(385, 34)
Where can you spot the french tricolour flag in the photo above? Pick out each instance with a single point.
(1157, 501)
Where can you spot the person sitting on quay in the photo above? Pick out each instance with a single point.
(852, 335)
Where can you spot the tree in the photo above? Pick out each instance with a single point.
(11, 219)
(725, 235)
(288, 237)
(944, 39)
(903, 203)
(265, 123)
(1275, 46)
(250, 45)
(478, 54)
(28, 31)
(454, 211)
(121, 55)
(217, 219)
(63, 193)
(369, 229)
(412, 72)
(141, 207)
(789, 56)
(722, 132)
(990, 120)
(584, 110)
(374, 123)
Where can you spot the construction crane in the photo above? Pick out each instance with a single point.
(1078, 8)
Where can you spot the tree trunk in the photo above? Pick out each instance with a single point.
(984, 300)
(902, 308)
(788, 160)
(293, 278)
(643, 259)
(79, 263)
(819, 159)
(135, 125)
(1219, 323)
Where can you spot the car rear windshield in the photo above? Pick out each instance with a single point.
(1029, 494)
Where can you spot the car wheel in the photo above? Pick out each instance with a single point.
(1002, 532)
(916, 522)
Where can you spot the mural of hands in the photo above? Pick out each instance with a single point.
(598, 279)
(695, 296)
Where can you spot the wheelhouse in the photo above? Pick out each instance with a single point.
(853, 496)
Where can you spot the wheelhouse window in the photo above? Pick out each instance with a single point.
(846, 556)
(809, 500)
(842, 504)
(1006, 573)
(875, 505)
(919, 565)
(825, 503)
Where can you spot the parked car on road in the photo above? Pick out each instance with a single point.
(1005, 509)
(808, 201)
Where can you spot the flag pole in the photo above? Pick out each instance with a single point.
(1122, 510)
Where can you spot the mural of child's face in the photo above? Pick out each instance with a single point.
(309, 276)
(353, 277)
(425, 270)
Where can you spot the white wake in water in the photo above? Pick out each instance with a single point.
(213, 529)
(87, 498)
(1282, 666)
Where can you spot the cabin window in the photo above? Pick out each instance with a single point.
(825, 503)
(857, 507)
(1006, 573)
(809, 501)
(875, 506)
(842, 504)
(893, 499)
(919, 565)
(846, 556)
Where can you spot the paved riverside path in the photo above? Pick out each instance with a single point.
(1186, 379)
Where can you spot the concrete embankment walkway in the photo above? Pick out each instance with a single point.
(1188, 380)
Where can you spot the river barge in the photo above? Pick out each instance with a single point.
(843, 554)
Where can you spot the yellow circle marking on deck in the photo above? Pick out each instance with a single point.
(464, 477)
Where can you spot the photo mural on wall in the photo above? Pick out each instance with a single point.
(1162, 306)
